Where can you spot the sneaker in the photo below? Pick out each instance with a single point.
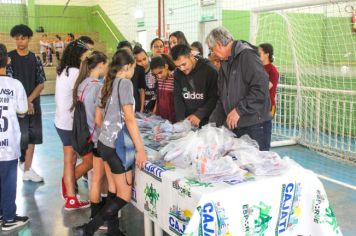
(72, 203)
(80, 231)
(104, 227)
(22, 166)
(15, 223)
(64, 190)
(85, 177)
(31, 175)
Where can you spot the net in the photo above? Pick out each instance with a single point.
(315, 50)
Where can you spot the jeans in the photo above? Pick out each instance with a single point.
(8, 182)
(261, 133)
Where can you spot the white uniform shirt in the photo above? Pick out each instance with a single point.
(64, 98)
(13, 100)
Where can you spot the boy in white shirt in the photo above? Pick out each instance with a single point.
(13, 102)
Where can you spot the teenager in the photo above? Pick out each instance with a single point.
(267, 58)
(28, 69)
(163, 68)
(86, 89)
(197, 48)
(157, 47)
(176, 38)
(138, 79)
(142, 59)
(13, 103)
(214, 60)
(67, 74)
(195, 86)
(45, 50)
(58, 46)
(116, 96)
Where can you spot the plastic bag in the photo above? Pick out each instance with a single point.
(209, 170)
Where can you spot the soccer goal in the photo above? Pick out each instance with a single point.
(315, 53)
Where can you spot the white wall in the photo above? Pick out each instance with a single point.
(121, 14)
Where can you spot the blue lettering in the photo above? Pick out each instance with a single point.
(208, 208)
(289, 188)
(175, 225)
(283, 224)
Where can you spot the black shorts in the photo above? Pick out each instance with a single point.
(65, 136)
(96, 153)
(31, 130)
(109, 155)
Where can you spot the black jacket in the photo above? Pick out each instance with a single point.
(243, 84)
(196, 93)
(139, 82)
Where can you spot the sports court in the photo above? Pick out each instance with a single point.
(315, 53)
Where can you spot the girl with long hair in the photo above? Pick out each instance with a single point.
(118, 103)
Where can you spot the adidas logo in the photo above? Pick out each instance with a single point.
(193, 96)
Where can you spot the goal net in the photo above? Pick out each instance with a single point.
(315, 53)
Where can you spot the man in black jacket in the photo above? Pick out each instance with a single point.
(243, 104)
(195, 86)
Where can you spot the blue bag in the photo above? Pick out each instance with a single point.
(125, 148)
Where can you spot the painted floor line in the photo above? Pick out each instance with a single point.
(350, 186)
(48, 104)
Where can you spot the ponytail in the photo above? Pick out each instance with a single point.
(88, 64)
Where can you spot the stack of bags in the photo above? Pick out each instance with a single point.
(216, 155)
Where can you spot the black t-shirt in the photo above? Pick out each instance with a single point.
(29, 71)
(138, 82)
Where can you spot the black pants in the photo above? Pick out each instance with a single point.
(261, 133)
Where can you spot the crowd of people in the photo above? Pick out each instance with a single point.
(235, 87)
(50, 47)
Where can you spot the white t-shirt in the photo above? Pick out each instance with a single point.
(13, 100)
(64, 98)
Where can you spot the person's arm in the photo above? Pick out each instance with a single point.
(273, 79)
(126, 102)
(257, 79)
(40, 79)
(21, 100)
(99, 117)
(270, 85)
(218, 115)
(212, 96)
(154, 111)
(179, 105)
(142, 99)
(142, 87)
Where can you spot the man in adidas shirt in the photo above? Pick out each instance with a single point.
(13, 101)
(195, 86)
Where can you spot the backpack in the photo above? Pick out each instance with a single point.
(81, 137)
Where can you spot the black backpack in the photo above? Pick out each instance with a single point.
(81, 137)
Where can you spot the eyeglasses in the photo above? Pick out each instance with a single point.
(156, 46)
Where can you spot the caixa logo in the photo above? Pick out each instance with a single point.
(193, 96)
(154, 171)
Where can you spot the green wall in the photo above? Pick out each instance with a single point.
(11, 15)
(98, 25)
(76, 19)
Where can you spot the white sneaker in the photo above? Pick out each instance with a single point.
(31, 175)
(22, 166)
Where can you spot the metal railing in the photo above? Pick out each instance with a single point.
(326, 121)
